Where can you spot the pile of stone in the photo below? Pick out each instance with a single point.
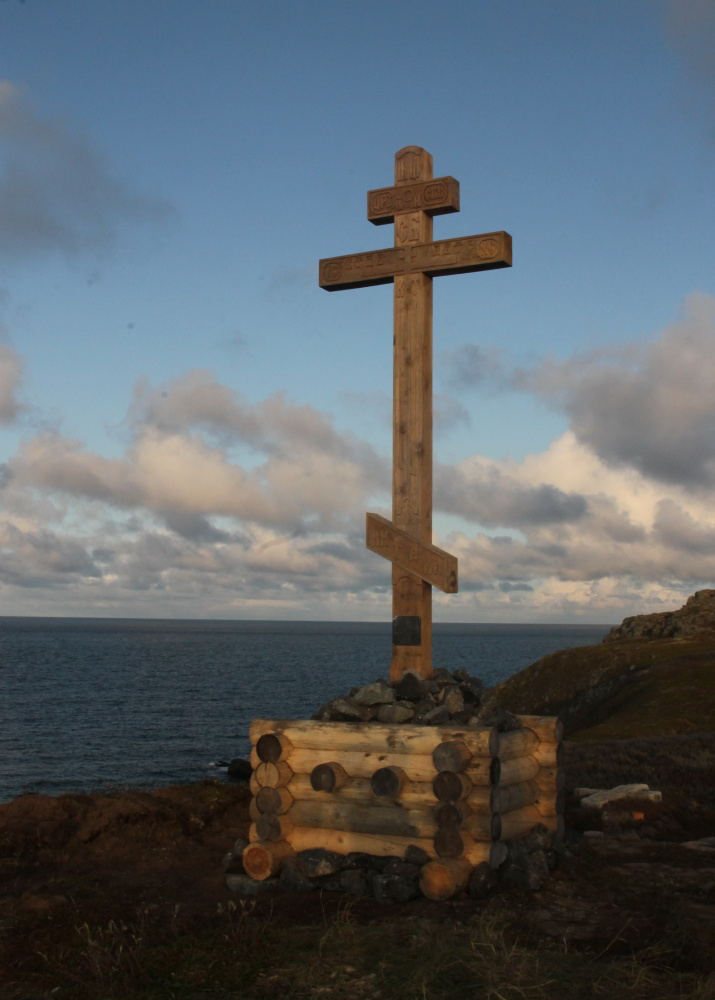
(443, 699)
(526, 861)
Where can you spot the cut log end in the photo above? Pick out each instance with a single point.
(451, 787)
(328, 777)
(447, 814)
(388, 782)
(263, 860)
(444, 878)
(454, 756)
(448, 843)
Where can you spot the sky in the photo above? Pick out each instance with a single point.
(191, 428)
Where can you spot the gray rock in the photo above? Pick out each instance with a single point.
(375, 862)
(415, 855)
(248, 886)
(553, 858)
(482, 880)
(453, 700)
(404, 869)
(356, 881)
(369, 712)
(461, 675)
(292, 878)
(439, 716)
(394, 888)
(375, 694)
(537, 839)
(441, 676)
(411, 687)
(240, 769)
(400, 711)
(318, 861)
(531, 870)
(345, 709)
(232, 864)
(239, 847)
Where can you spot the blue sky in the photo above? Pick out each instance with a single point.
(191, 427)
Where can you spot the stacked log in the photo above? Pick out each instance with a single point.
(455, 793)
(528, 789)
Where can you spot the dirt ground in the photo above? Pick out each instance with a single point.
(79, 859)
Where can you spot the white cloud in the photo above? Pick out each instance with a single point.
(648, 406)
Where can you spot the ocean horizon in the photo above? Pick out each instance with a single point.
(100, 703)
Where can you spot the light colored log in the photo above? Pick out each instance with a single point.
(549, 754)
(309, 734)
(449, 786)
(512, 772)
(272, 747)
(253, 784)
(358, 764)
(516, 743)
(553, 777)
(483, 770)
(328, 777)
(483, 798)
(483, 826)
(444, 878)
(414, 795)
(301, 838)
(273, 775)
(510, 797)
(549, 728)
(261, 861)
(395, 822)
(273, 800)
(550, 803)
(272, 827)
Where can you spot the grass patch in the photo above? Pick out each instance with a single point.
(242, 952)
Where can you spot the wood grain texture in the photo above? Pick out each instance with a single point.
(264, 860)
(309, 734)
(444, 878)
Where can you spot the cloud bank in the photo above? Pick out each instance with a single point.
(222, 507)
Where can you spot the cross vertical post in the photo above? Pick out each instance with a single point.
(411, 264)
(412, 427)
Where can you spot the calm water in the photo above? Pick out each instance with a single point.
(91, 703)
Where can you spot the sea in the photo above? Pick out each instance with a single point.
(99, 704)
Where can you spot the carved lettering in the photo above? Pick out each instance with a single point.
(431, 564)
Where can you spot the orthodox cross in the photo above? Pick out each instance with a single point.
(415, 259)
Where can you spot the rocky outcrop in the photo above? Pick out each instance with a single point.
(695, 617)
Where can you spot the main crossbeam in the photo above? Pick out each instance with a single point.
(380, 267)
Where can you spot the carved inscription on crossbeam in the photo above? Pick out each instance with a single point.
(431, 564)
(379, 267)
(436, 197)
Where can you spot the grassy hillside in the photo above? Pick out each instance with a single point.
(621, 689)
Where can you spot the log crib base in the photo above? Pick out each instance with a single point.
(444, 802)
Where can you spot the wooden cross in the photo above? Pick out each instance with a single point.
(406, 541)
